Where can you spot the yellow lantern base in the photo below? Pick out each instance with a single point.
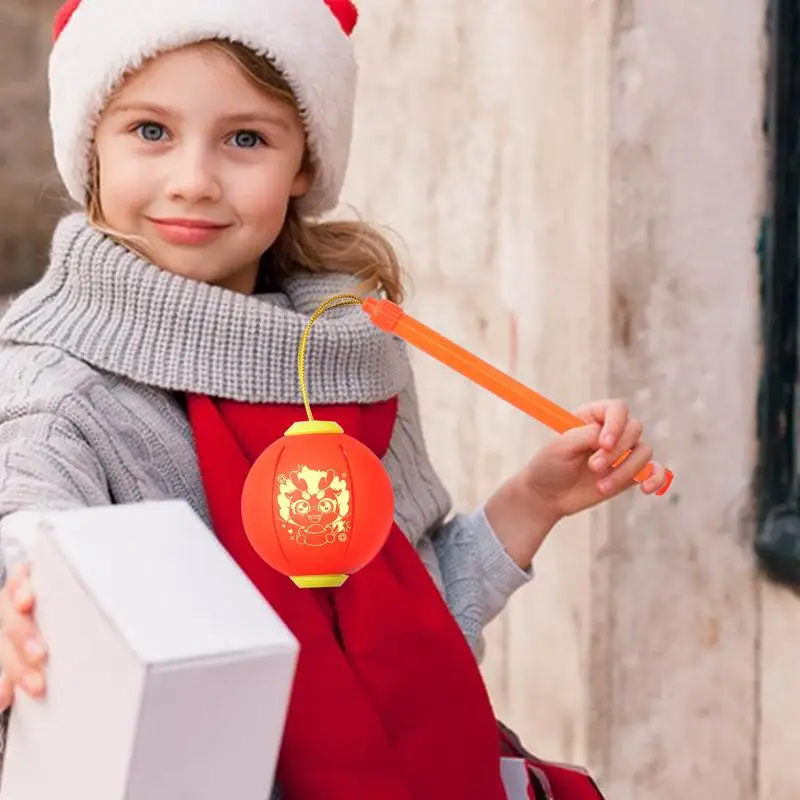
(318, 581)
(314, 426)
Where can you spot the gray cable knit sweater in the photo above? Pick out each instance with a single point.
(92, 356)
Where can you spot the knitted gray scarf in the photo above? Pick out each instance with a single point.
(108, 307)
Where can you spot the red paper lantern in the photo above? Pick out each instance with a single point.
(317, 505)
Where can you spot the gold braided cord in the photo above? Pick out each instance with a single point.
(335, 301)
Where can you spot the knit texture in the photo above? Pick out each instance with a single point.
(92, 358)
(101, 303)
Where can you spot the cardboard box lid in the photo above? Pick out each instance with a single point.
(221, 614)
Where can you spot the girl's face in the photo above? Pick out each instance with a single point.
(200, 164)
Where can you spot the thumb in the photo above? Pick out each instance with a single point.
(581, 441)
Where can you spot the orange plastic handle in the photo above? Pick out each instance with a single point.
(388, 316)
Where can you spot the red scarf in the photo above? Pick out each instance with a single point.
(388, 700)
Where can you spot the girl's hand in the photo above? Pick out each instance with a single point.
(574, 472)
(23, 653)
(570, 474)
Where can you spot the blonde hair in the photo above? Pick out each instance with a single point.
(345, 246)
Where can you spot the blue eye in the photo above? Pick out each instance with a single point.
(151, 131)
(247, 139)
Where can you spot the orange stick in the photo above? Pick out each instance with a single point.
(388, 316)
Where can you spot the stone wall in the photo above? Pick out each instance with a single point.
(31, 198)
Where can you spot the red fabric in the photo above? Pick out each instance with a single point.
(63, 16)
(345, 12)
(388, 700)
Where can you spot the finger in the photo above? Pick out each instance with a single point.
(611, 414)
(623, 476)
(16, 670)
(579, 442)
(35, 651)
(23, 598)
(17, 576)
(11, 661)
(614, 424)
(628, 439)
(656, 479)
(602, 461)
(7, 609)
(33, 684)
(594, 411)
(17, 593)
(6, 693)
(23, 634)
(15, 604)
(27, 642)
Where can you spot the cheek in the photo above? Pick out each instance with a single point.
(265, 186)
(261, 195)
(125, 184)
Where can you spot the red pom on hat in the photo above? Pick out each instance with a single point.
(63, 16)
(344, 11)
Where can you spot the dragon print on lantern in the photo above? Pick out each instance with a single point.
(314, 505)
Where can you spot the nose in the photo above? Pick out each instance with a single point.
(192, 175)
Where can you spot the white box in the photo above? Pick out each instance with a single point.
(169, 675)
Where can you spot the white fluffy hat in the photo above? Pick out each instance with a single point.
(98, 41)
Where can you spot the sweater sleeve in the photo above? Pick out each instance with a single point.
(477, 573)
(46, 464)
(461, 552)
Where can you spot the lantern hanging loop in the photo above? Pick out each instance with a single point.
(335, 301)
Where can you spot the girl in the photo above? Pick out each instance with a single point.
(156, 359)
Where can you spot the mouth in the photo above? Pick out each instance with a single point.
(181, 230)
(192, 224)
